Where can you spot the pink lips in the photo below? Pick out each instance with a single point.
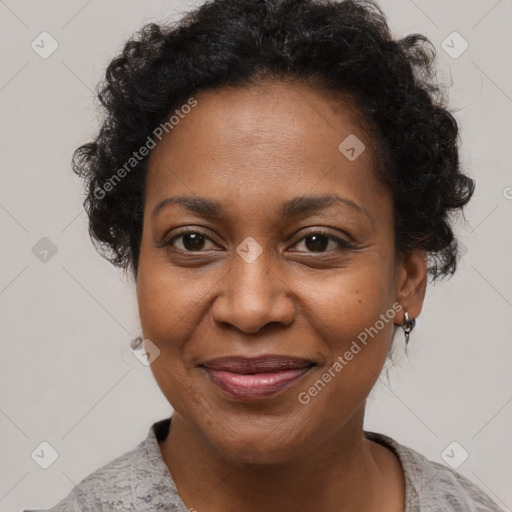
(255, 378)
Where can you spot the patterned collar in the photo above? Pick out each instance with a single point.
(154, 489)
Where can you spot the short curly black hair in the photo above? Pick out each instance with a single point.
(341, 46)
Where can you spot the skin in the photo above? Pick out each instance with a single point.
(250, 149)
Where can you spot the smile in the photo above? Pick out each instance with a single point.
(258, 378)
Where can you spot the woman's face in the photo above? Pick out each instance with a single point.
(260, 277)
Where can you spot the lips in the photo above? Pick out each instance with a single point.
(256, 378)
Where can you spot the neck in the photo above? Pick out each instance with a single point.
(346, 472)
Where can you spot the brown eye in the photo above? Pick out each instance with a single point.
(193, 241)
(316, 243)
(319, 242)
(190, 241)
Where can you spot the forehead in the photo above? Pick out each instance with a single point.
(266, 141)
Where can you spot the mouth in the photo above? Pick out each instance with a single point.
(256, 378)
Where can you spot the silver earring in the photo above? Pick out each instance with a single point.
(135, 343)
(408, 326)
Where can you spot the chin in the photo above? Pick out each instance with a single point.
(258, 453)
(263, 447)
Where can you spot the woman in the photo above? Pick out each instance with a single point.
(279, 177)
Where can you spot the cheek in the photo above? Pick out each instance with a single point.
(170, 298)
(354, 316)
(172, 306)
(352, 313)
(167, 304)
(343, 304)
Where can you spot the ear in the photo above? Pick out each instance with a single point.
(411, 282)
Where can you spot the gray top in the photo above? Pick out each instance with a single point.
(139, 480)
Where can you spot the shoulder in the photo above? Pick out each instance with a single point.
(107, 488)
(138, 480)
(431, 486)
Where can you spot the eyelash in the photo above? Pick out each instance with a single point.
(343, 244)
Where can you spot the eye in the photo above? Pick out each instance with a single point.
(318, 241)
(189, 241)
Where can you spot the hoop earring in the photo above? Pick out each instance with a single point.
(408, 326)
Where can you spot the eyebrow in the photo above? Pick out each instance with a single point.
(290, 208)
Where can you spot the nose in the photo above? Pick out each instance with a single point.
(253, 295)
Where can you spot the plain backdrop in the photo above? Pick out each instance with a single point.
(68, 377)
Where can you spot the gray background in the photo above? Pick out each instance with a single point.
(67, 374)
